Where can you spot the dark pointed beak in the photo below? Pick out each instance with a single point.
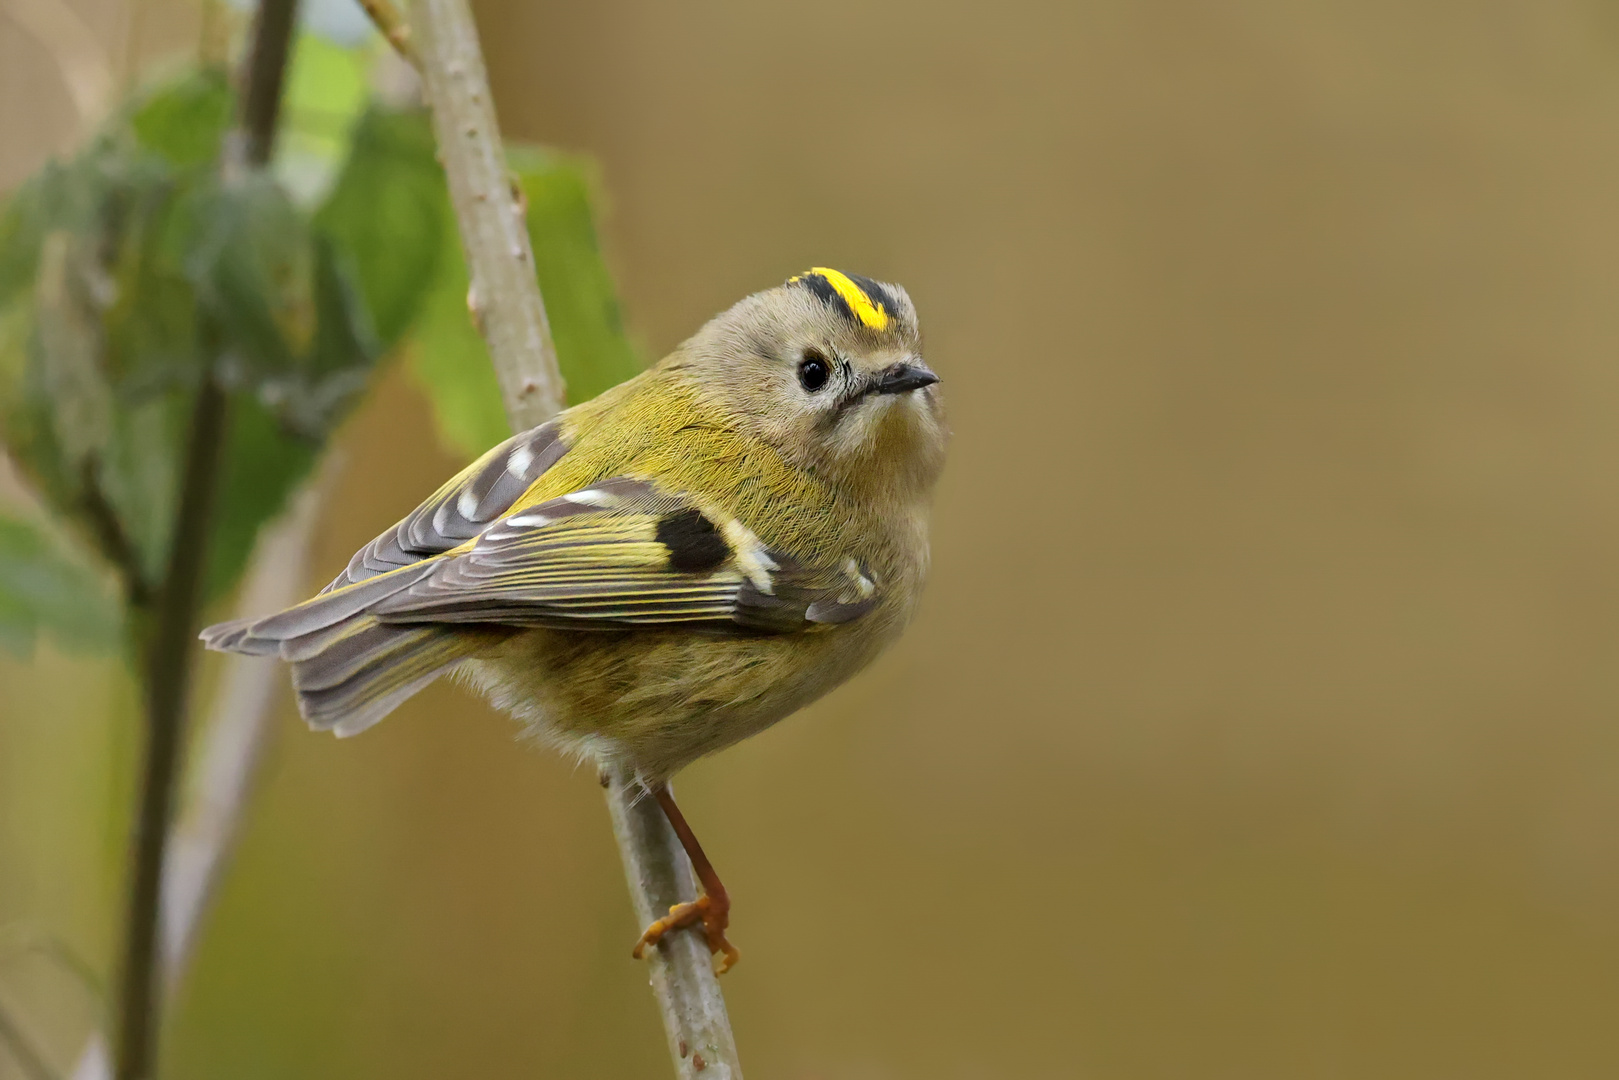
(903, 377)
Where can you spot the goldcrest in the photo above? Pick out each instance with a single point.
(667, 569)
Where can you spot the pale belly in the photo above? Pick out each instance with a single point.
(655, 700)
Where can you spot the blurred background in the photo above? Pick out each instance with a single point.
(1260, 720)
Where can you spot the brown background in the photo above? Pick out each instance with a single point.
(1261, 717)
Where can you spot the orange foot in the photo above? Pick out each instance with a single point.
(715, 917)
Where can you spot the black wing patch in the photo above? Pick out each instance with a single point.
(694, 542)
(621, 554)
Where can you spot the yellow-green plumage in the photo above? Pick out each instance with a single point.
(700, 551)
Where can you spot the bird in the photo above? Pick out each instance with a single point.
(664, 570)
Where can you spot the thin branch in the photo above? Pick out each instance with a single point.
(391, 24)
(232, 749)
(26, 939)
(682, 971)
(265, 72)
(225, 775)
(107, 530)
(166, 679)
(513, 323)
(169, 639)
(494, 233)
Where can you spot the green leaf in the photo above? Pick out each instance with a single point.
(277, 430)
(152, 337)
(184, 121)
(44, 589)
(69, 342)
(22, 229)
(326, 91)
(263, 463)
(333, 371)
(25, 409)
(247, 255)
(139, 474)
(388, 213)
(160, 270)
(581, 301)
(65, 195)
(448, 357)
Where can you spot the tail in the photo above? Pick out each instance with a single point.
(349, 668)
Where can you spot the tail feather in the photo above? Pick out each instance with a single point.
(350, 669)
(237, 637)
(333, 657)
(358, 718)
(370, 672)
(272, 633)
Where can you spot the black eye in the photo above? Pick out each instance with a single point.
(813, 371)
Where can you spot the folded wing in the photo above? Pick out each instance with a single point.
(623, 554)
(618, 555)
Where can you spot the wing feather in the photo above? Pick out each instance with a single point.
(461, 509)
(608, 557)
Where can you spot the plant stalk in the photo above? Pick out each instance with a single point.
(494, 232)
(168, 647)
(681, 971)
(266, 70)
(512, 318)
(228, 758)
(169, 627)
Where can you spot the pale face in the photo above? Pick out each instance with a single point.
(830, 393)
(865, 409)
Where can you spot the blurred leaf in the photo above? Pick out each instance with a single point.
(448, 359)
(263, 464)
(389, 213)
(131, 269)
(247, 255)
(70, 349)
(185, 121)
(345, 341)
(25, 409)
(16, 330)
(140, 473)
(276, 432)
(333, 371)
(448, 356)
(68, 195)
(152, 338)
(43, 589)
(326, 92)
(580, 299)
(22, 230)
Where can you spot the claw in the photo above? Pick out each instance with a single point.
(712, 907)
(715, 919)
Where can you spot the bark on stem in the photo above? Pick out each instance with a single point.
(494, 233)
(511, 313)
(680, 968)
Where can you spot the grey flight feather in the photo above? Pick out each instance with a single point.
(462, 508)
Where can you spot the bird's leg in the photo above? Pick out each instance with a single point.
(712, 908)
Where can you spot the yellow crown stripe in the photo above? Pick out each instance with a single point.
(872, 314)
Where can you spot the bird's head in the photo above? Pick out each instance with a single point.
(827, 368)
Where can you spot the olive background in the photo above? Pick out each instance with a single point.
(1262, 716)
